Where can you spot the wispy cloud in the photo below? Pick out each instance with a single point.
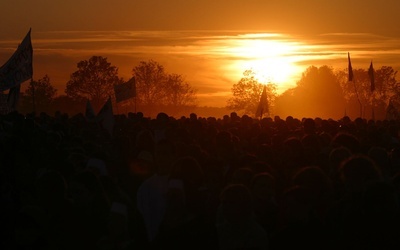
(210, 60)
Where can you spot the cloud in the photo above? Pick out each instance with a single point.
(212, 61)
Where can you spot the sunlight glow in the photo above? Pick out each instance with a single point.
(211, 61)
(271, 60)
(271, 70)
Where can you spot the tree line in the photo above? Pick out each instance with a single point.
(323, 92)
(95, 79)
(320, 92)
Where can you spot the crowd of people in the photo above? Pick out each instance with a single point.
(234, 182)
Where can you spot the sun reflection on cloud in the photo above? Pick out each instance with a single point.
(212, 61)
(270, 60)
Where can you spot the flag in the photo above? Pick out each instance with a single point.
(19, 67)
(371, 74)
(125, 90)
(350, 68)
(13, 97)
(105, 117)
(89, 113)
(263, 105)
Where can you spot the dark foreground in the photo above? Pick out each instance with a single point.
(199, 183)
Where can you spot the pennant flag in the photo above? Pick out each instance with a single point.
(350, 68)
(371, 74)
(89, 113)
(105, 117)
(263, 105)
(125, 90)
(13, 97)
(19, 67)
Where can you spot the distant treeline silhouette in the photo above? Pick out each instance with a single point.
(321, 92)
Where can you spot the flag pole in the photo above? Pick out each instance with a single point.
(116, 106)
(33, 96)
(358, 98)
(350, 68)
(372, 78)
(373, 106)
(263, 104)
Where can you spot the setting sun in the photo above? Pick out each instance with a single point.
(212, 124)
(270, 70)
(210, 43)
(269, 59)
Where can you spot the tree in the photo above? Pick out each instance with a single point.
(178, 92)
(150, 81)
(42, 92)
(386, 85)
(317, 94)
(157, 89)
(246, 94)
(94, 80)
(386, 88)
(359, 90)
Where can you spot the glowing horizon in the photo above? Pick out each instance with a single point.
(211, 61)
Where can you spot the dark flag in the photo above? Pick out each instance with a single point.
(105, 117)
(350, 68)
(125, 90)
(89, 113)
(13, 97)
(263, 105)
(19, 67)
(371, 74)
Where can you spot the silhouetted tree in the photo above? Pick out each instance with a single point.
(386, 87)
(155, 87)
(150, 78)
(357, 91)
(385, 79)
(178, 92)
(317, 94)
(44, 94)
(246, 94)
(94, 80)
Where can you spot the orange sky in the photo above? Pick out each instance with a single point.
(209, 42)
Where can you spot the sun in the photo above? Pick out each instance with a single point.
(270, 70)
(271, 60)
